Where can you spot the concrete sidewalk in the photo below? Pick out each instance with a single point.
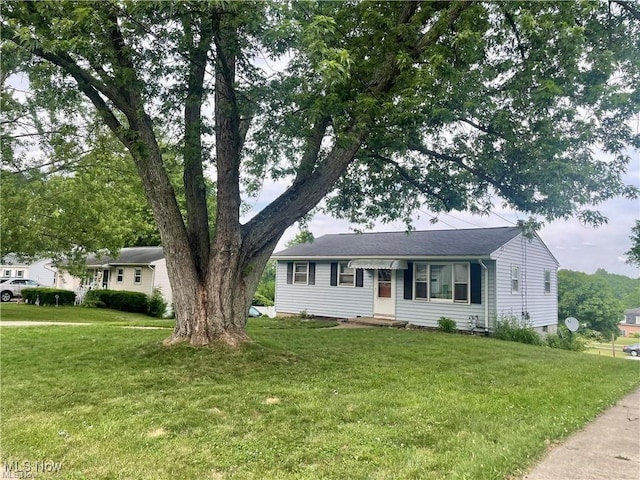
(607, 448)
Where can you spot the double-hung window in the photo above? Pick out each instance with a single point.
(301, 273)
(346, 275)
(515, 279)
(442, 282)
(461, 282)
(137, 276)
(421, 281)
(440, 286)
(120, 275)
(547, 281)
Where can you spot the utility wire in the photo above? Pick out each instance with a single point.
(500, 216)
(437, 219)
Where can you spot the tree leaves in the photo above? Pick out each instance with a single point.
(456, 102)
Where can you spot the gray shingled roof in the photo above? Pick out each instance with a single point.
(429, 243)
(129, 256)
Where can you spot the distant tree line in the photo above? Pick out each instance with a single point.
(597, 300)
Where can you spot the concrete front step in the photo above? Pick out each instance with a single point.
(379, 322)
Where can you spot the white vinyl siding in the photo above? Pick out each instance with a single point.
(533, 258)
(145, 285)
(321, 298)
(161, 281)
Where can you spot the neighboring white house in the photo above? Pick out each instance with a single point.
(39, 270)
(631, 323)
(136, 269)
(472, 276)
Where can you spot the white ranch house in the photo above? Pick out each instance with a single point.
(136, 269)
(472, 276)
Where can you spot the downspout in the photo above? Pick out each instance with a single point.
(485, 281)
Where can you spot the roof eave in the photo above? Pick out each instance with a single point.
(472, 256)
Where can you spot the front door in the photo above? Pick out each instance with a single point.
(384, 299)
(105, 279)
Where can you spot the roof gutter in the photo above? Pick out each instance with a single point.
(329, 258)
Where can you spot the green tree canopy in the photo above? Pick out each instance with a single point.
(303, 236)
(381, 107)
(626, 289)
(590, 299)
(633, 254)
(98, 206)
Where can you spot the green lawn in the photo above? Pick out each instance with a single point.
(606, 348)
(23, 311)
(298, 403)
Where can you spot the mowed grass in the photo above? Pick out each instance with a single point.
(607, 348)
(298, 403)
(77, 314)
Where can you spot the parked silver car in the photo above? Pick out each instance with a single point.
(633, 349)
(12, 287)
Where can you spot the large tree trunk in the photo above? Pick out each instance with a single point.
(215, 311)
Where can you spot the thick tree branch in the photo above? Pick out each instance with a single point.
(193, 178)
(440, 27)
(125, 80)
(310, 155)
(88, 84)
(271, 222)
(228, 140)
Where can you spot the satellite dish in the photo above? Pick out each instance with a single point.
(571, 323)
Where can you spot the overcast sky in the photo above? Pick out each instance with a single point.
(577, 247)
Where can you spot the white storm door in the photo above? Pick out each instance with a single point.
(384, 297)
